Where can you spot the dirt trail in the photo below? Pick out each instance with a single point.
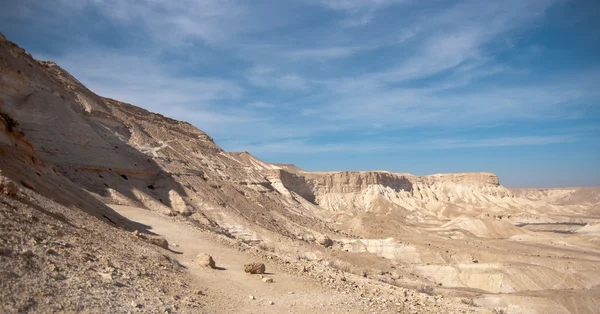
(228, 288)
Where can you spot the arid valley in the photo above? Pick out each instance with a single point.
(106, 206)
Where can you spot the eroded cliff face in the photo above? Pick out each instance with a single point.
(123, 154)
(418, 198)
(353, 182)
(365, 190)
(477, 179)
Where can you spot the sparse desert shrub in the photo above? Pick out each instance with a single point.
(340, 265)
(427, 289)
(11, 123)
(265, 247)
(300, 256)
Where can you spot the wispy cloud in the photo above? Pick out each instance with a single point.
(358, 12)
(262, 104)
(322, 54)
(210, 20)
(176, 23)
(314, 78)
(499, 142)
(304, 146)
(271, 78)
(143, 80)
(356, 5)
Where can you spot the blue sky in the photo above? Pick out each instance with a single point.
(510, 87)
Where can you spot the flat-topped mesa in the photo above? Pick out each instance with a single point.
(313, 185)
(464, 178)
(356, 181)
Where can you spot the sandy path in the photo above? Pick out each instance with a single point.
(228, 290)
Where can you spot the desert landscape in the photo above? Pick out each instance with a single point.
(109, 208)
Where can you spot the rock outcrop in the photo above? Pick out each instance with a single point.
(363, 191)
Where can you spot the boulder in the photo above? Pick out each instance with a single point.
(255, 268)
(205, 260)
(324, 240)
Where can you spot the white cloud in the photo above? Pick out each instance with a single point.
(262, 104)
(358, 12)
(406, 34)
(322, 54)
(176, 23)
(143, 80)
(357, 5)
(498, 142)
(408, 108)
(271, 78)
(303, 146)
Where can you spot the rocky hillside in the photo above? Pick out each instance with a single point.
(126, 155)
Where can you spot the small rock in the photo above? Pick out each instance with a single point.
(324, 240)
(267, 280)
(255, 268)
(159, 241)
(271, 302)
(205, 260)
(28, 253)
(251, 297)
(106, 276)
(8, 187)
(135, 304)
(199, 292)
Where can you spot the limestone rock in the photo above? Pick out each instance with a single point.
(324, 240)
(159, 241)
(205, 260)
(255, 268)
(8, 187)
